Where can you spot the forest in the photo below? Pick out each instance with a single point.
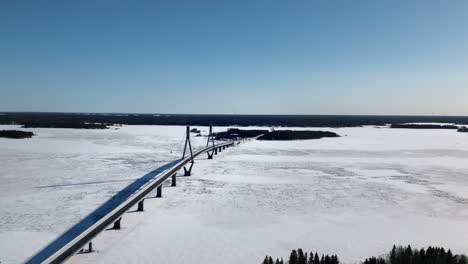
(79, 119)
(16, 134)
(296, 135)
(397, 255)
(423, 126)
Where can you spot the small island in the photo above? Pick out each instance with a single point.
(16, 134)
(75, 125)
(235, 133)
(296, 135)
(423, 126)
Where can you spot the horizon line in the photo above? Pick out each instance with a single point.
(186, 114)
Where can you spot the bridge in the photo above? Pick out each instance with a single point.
(110, 213)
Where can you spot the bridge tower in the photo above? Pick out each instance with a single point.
(211, 140)
(188, 172)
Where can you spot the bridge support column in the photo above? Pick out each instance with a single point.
(141, 206)
(210, 156)
(174, 180)
(159, 191)
(90, 247)
(116, 224)
(188, 172)
(216, 151)
(219, 149)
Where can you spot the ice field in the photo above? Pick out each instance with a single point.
(354, 196)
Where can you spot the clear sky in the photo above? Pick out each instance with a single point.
(235, 57)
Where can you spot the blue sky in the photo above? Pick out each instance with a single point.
(235, 57)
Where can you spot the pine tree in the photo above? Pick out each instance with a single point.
(408, 255)
(316, 259)
(301, 258)
(335, 259)
(311, 258)
(462, 259)
(449, 259)
(393, 255)
(293, 258)
(270, 260)
(265, 261)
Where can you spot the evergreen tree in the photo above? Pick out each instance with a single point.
(462, 259)
(393, 255)
(265, 261)
(335, 259)
(293, 257)
(301, 258)
(316, 259)
(311, 258)
(408, 254)
(449, 258)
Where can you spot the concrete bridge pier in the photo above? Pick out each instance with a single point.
(210, 156)
(140, 206)
(159, 191)
(174, 180)
(116, 224)
(188, 172)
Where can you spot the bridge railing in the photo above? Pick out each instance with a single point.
(84, 238)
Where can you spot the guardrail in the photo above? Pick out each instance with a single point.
(64, 247)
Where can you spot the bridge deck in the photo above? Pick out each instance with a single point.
(81, 233)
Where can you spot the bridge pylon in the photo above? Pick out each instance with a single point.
(188, 172)
(211, 140)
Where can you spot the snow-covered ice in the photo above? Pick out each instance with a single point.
(354, 196)
(51, 181)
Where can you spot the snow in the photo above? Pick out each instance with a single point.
(53, 180)
(354, 196)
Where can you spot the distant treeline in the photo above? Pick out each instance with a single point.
(234, 133)
(398, 255)
(223, 120)
(407, 255)
(299, 257)
(16, 134)
(296, 135)
(63, 124)
(239, 133)
(423, 126)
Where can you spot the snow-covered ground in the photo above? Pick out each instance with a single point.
(51, 181)
(354, 196)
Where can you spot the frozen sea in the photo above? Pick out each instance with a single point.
(354, 196)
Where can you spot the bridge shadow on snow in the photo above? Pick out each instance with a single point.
(96, 215)
(82, 183)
